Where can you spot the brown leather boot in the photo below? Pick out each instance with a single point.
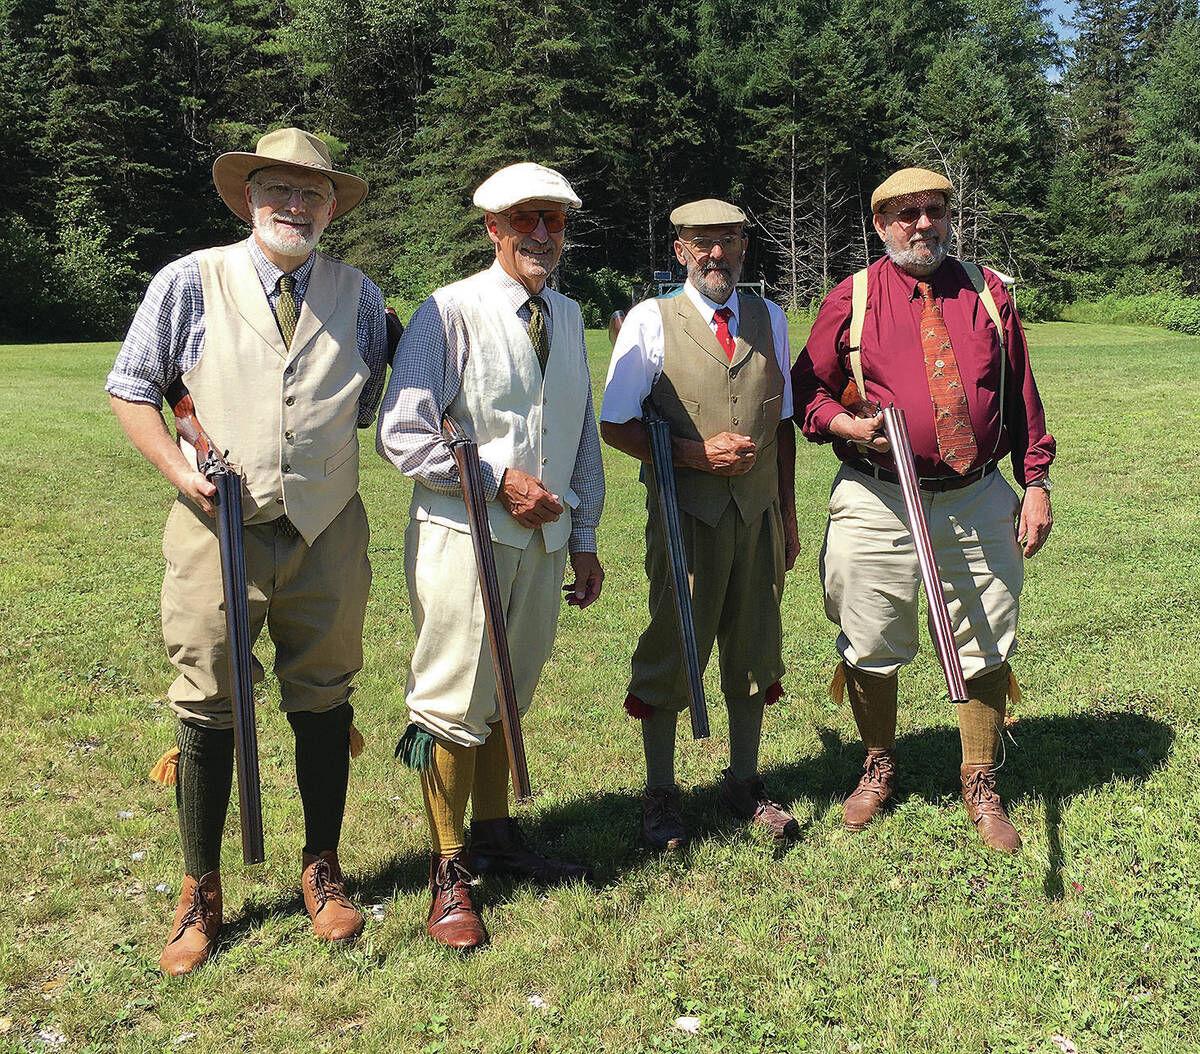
(986, 810)
(747, 800)
(498, 848)
(453, 920)
(662, 820)
(334, 918)
(197, 923)
(875, 789)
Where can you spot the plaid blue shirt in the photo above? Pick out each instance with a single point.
(166, 337)
(426, 378)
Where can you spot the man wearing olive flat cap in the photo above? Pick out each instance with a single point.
(939, 338)
(503, 354)
(713, 362)
(284, 352)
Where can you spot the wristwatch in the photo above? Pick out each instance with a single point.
(1044, 483)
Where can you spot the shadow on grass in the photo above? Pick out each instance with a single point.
(1053, 758)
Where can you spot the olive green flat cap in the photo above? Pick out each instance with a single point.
(707, 212)
(910, 181)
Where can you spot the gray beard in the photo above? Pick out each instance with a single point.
(715, 285)
(284, 246)
(909, 260)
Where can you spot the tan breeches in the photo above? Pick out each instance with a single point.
(451, 685)
(737, 581)
(871, 578)
(312, 600)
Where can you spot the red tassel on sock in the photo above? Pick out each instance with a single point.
(634, 707)
(774, 694)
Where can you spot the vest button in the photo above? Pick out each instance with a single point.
(735, 420)
(287, 467)
(279, 501)
(545, 461)
(290, 400)
(289, 371)
(290, 436)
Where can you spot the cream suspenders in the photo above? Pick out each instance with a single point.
(858, 311)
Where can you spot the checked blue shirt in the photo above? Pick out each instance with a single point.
(166, 337)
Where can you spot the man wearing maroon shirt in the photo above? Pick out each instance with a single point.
(928, 345)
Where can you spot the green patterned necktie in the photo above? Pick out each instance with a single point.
(286, 313)
(537, 330)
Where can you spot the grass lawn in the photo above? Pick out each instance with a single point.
(906, 937)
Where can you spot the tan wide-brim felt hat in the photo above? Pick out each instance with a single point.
(285, 146)
(910, 181)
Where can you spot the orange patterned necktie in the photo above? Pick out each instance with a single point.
(955, 436)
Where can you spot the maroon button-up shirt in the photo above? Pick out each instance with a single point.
(893, 364)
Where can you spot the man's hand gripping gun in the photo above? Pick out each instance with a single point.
(896, 430)
(221, 474)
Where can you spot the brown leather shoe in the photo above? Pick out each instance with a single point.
(453, 920)
(197, 923)
(662, 820)
(986, 810)
(334, 918)
(498, 848)
(747, 800)
(875, 789)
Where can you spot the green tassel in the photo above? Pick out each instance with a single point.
(415, 748)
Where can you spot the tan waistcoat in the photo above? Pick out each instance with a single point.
(519, 418)
(287, 416)
(701, 393)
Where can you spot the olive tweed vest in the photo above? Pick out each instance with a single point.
(701, 394)
(287, 416)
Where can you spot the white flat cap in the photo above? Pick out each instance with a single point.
(523, 182)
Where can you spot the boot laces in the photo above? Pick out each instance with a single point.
(198, 911)
(451, 881)
(326, 886)
(981, 787)
(879, 768)
(662, 805)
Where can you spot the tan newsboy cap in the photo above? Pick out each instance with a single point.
(284, 146)
(910, 181)
(707, 212)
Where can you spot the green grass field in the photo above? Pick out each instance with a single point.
(907, 937)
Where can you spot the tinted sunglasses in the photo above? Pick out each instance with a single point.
(913, 213)
(525, 222)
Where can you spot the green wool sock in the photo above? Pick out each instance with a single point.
(658, 740)
(745, 733)
(203, 782)
(322, 773)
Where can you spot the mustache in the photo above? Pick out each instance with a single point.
(291, 221)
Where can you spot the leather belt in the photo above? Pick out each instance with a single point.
(936, 484)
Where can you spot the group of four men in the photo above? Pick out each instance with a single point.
(285, 353)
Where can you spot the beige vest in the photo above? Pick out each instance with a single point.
(518, 418)
(701, 393)
(287, 417)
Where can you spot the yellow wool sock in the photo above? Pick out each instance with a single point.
(873, 701)
(446, 787)
(489, 799)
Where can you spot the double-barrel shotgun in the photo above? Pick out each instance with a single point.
(217, 470)
(466, 456)
(896, 430)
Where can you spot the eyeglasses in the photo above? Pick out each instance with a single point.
(704, 246)
(281, 194)
(913, 213)
(525, 222)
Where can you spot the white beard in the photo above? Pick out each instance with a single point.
(283, 239)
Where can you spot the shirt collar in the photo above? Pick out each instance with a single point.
(269, 274)
(942, 279)
(513, 291)
(708, 308)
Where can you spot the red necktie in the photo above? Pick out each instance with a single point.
(722, 316)
(955, 436)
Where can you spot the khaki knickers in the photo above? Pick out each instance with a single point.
(872, 580)
(737, 575)
(451, 683)
(312, 600)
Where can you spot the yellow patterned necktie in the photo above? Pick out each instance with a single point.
(286, 313)
(537, 330)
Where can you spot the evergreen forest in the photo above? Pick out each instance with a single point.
(1076, 150)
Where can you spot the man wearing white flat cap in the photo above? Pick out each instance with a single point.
(284, 352)
(503, 354)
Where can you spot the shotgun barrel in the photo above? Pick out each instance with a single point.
(231, 542)
(466, 456)
(942, 632)
(662, 464)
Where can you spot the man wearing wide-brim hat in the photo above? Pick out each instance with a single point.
(284, 352)
(503, 354)
(713, 361)
(940, 339)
